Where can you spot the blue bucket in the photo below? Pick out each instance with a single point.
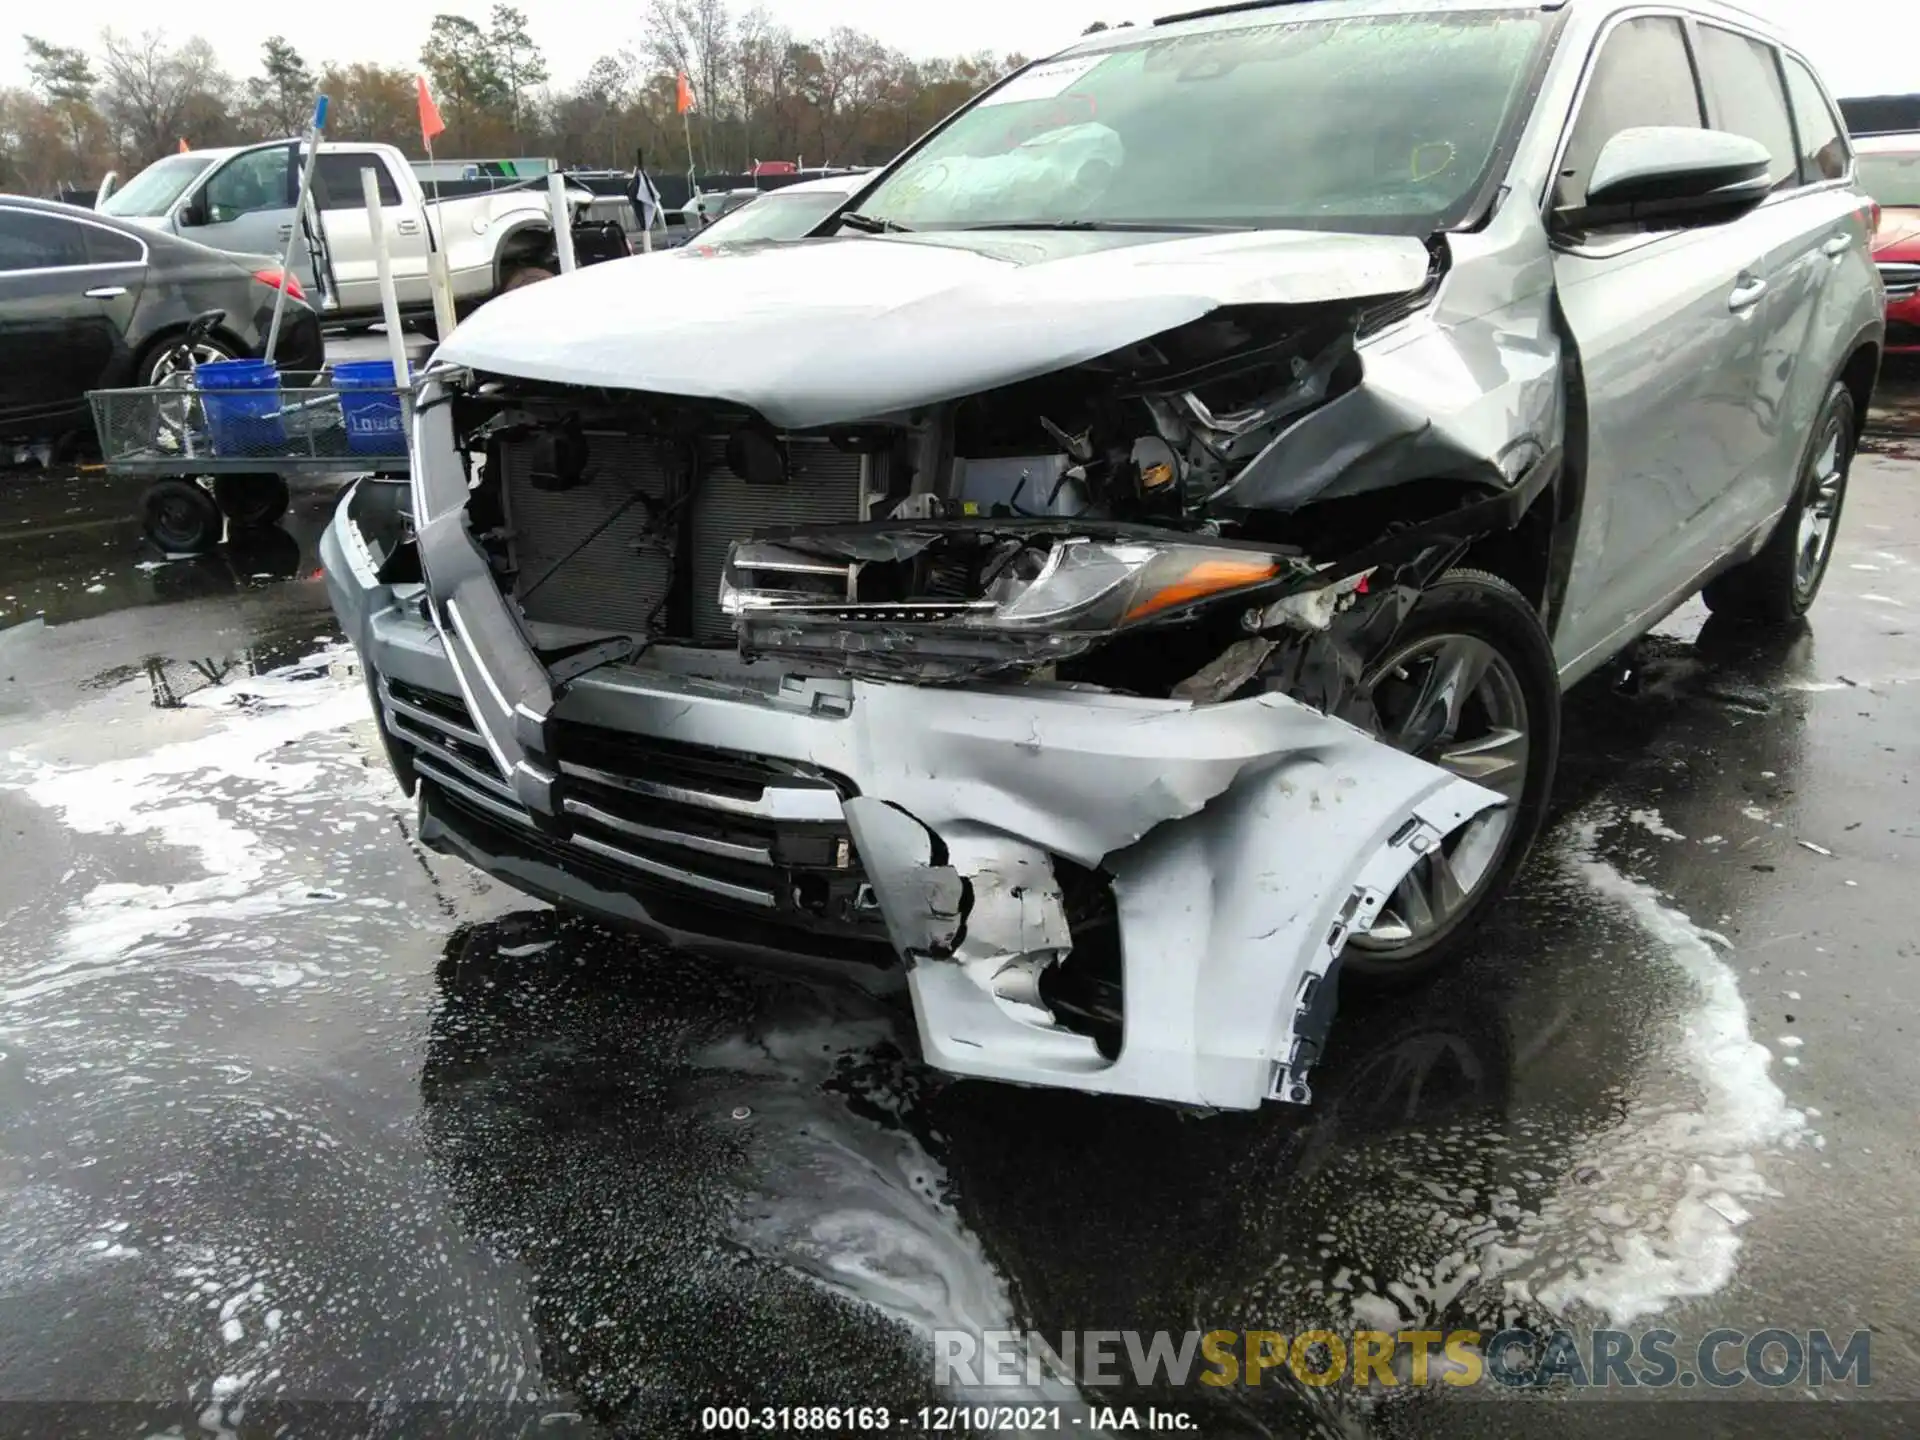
(242, 401)
(371, 407)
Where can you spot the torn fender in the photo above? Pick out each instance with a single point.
(1460, 389)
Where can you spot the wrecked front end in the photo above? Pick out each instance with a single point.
(1053, 695)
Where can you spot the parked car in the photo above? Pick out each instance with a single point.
(1890, 173)
(243, 200)
(1129, 590)
(88, 302)
(705, 207)
(786, 214)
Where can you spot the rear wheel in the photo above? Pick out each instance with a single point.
(168, 365)
(251, 501)
(170, 362)
(1779, 585)
(1470, 685)
(181, 518)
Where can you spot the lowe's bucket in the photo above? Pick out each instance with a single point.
(370, 405)
(242, 403)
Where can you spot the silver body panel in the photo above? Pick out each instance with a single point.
(1247, 840)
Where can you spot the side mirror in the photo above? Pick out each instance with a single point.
(193, 210)
(1675, 175)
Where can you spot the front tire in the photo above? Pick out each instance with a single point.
(1470, 684)
(1779, 585)
(181, 518)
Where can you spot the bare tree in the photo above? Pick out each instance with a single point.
(695, 38)
(854, 75)
(763, 93)
(151, 93)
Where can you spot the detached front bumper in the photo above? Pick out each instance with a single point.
(1244, 842)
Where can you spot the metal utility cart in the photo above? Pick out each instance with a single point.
(211, 468)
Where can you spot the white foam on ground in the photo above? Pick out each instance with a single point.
(1526, 1218)
(1651, 822)
(211, 797)
(1685, 1244)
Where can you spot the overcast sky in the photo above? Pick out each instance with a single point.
(1864, 47)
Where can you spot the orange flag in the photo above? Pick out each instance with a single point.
(184, 147)
(430, 122)
(683, 101)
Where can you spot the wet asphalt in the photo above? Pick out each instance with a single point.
(304, 1130)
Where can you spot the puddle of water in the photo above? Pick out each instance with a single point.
(841, 1192)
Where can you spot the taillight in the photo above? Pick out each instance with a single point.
(280, 280)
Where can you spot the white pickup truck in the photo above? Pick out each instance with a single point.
(244, 200)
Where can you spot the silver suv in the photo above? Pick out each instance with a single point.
(1121, 571)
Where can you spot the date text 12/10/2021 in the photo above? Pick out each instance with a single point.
(942, 1419)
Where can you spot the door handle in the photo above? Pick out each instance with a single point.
(1746, 295)
(1837, 246)
(106, 292)
(408, 227)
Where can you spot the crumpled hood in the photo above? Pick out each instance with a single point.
(820, 332)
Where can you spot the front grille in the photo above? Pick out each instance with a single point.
(1901, 279)
(735, 831)
(584, 557)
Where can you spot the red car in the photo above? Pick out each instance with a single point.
(1890, 173)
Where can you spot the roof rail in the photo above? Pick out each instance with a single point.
(1232, 7)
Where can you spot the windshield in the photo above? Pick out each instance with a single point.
(1379, 123)
(1893, 180)
(782, 215)
(154, 189)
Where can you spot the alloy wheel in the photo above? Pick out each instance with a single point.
(172, 369)
(1455, 701)
(1820, 512)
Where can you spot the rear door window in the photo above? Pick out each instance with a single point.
(33, 241)
(1644, 76)
(1824, 153)
(1747, 98)
(110, 247)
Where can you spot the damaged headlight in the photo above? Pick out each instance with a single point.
(1101, 585)
(1078, 584)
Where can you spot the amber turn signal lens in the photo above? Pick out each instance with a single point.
(1208, 577)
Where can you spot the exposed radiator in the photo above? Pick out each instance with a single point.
(617, 579)
(824, 489)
